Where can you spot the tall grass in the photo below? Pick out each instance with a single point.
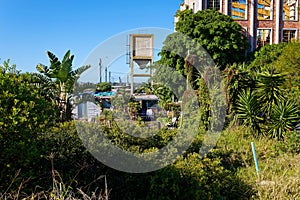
(59, 190)
(279, 175)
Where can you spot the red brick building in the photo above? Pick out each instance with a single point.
(265, 21)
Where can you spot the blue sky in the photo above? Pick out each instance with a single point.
(30, 28)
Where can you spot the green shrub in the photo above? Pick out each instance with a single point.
(197, 178)
(24, 114)
(290, 143)
(103, 87)
(74, 163)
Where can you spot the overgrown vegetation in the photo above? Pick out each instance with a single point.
(42, 156)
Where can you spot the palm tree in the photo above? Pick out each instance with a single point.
(64, 77)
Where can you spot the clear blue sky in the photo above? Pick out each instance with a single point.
(28, 28)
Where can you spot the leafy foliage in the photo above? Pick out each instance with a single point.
(103, 87)
(24, 114)
(269, 88)
(223, 38)
(284, 116)
(197, 178)
(288, 64)
(248, 110)
(33, 144)
(64, 77)
(266, 55)
(236, 78)
(204, 105)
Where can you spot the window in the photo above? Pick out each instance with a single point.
(265, 9)
(289, 35)
(213, 4)
(290, 10)
(239, 9)
(263, 37)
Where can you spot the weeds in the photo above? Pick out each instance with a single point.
(59, 190)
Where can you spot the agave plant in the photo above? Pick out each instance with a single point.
(284, 116)
(249, 110)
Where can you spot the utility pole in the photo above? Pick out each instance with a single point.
(106, 74)
(100, 65)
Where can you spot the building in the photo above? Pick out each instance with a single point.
(86, 111)
(265, 21)
(149, 103)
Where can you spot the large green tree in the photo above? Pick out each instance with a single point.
(218, 34)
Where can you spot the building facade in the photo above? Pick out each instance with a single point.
(264, 21)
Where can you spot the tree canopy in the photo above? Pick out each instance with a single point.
(218, 34)
(103, 87)
(266, 55)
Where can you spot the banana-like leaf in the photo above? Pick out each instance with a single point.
(80, 70)
(66, 67)
(55, 63)
(42, 68)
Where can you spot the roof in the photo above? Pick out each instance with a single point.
(149, 97)
(104, 95)
(98, 94)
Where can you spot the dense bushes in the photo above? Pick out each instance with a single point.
(197, 178)
(59, 155)
(24, 114)
(191, 177)
(45, 154)
(103, 87)
(226, 172)
(270, 104)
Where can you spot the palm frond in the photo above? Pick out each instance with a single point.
(66, 67)
(53, 60)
